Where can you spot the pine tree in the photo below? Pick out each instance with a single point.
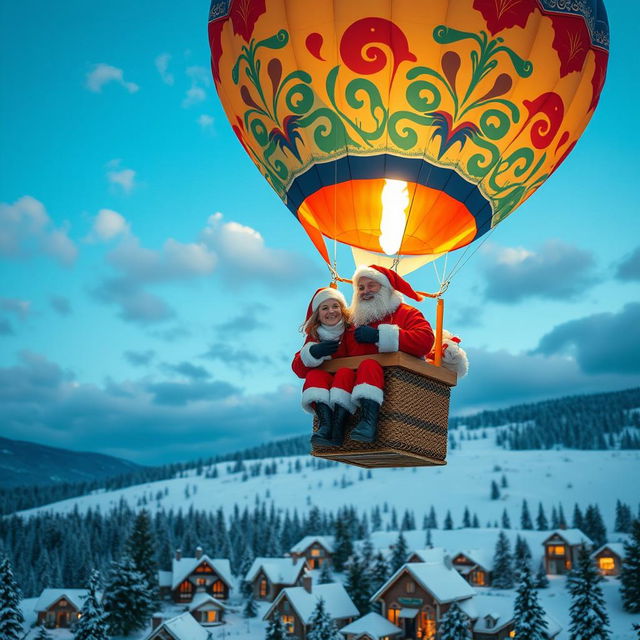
(358, 583)
(466, 518)
(521, 554)
(577, 522)
(525, 517)
(542, 524)
(529, 616)
(92, 624)
(400, 552)
(589, 619)
(250, 607)
(448, 521)
(476, 522)
(322, 626)
(454, 625)
(11, 617)
(42, 634)
(593, 525)
(325, 576)
(127, 599)
(506, 523)
(379, 572)
(432, 520)
(502, 563)
(343, 545)
(503, 482)
(495, 490)
(275, 628)
(141, 548)
(630, 573)
(541, 581)
(555, 522)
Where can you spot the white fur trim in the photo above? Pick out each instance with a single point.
(366, 391)
(314, 394)
(373, 274)
(307, 359)
(455, 359)
(342, 398)
(389, 338)
(327, 294)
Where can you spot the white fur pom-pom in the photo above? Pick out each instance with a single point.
(455, 358)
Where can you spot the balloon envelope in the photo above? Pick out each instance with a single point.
(407, 127)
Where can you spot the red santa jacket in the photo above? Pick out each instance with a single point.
(403, 330)
(303, 361)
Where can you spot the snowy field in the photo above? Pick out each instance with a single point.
(552, 477)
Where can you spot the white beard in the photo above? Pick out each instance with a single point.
(384, 303)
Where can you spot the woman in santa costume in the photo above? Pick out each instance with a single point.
(325, 394)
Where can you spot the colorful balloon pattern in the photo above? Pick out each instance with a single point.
(473, 103)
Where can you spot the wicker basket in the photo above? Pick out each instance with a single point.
(412, 427)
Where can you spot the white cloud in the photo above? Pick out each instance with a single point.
(26, 230)
(124, 178)
(107, 225)
(162, 65)
(103, 74)
(199, 75)
(194, 95)
(205, 121)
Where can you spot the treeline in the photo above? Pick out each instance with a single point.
(60, 550)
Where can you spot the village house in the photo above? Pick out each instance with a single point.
(315, 549)
(474, 566)
(200, 574)
(418, 594)
(182, 627)
(608, 558)
(60, 608)
(269, 576)
(562, 548)
(371, 627)
(207, 610)
(295, 607)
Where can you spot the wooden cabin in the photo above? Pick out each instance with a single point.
(562, 548)
(608, 558)
(269, 576)
(182, 627)
(316, 550)
(295, 607)
(418, 594)
(372, 626)
(60, 608)
(191, 576)
(474, 566)
(206, 610)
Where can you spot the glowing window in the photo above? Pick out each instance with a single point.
(211, 616)
(263, 589)
(479, 578)
(218, 588)
(426, 625)
(512, 633)
(201, 582)
(316, 552)
(606, 564)
(393, 614)
(288, 623)
(185, 587)
(556, 549)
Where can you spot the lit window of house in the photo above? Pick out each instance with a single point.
(393, 614)
(218, 588)
(263, 589)
(201, 582)
(478, 577)
(211, 616)
(512, 633)
(427, 625)
(411, 587)
(567, 564)
(316, 553)
(606, 564)
(556, 549)
(288, 623)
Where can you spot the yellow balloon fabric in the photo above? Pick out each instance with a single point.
(452, 112)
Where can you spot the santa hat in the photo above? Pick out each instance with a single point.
(387, 278)
(322, 294)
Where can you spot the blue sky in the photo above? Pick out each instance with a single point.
(152, 283)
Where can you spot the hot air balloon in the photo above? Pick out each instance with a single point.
(406, 129)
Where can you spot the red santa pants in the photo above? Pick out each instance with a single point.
(345, 388)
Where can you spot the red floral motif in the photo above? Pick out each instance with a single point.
(504, 14)
(571, 41)
(244, 14)
(545, 129)
(215, 42)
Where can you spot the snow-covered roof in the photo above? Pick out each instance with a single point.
(570, 536)
(479, 557)
(202, 598)
(185, 566)
(499, 607)
(51, 596)
(337, 602)
(441, 580)
(307, 541)
(372, 624)
(182, 627)
(277, 570)
(616, 547)
(164, 578)
(432, 554)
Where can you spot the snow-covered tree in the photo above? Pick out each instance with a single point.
(325, 576)
(454, 625)
(448, 521)
(343, 546)
(275, 629)
(250, 607)
(521, 553)
(358, 584)
(630, 573)
(399, 554)
(92, 624)
(525, 517)
(141, 548)
(506, 523)
(127, 599)
(321, 624)
(542, 524)
(495, 490)
(502, 563)
(11, 617)
(527, 612)
(380, 571)
(42, 634)
(589, 619)
(541, 579)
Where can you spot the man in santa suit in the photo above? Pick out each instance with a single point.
(382, 323)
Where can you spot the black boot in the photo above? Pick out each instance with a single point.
(340, 415)
(322, 437)
(365, 430)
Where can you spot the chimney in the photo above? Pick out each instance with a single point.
(178, 554)
(306, 582)
(199, 553)
(156, 620)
